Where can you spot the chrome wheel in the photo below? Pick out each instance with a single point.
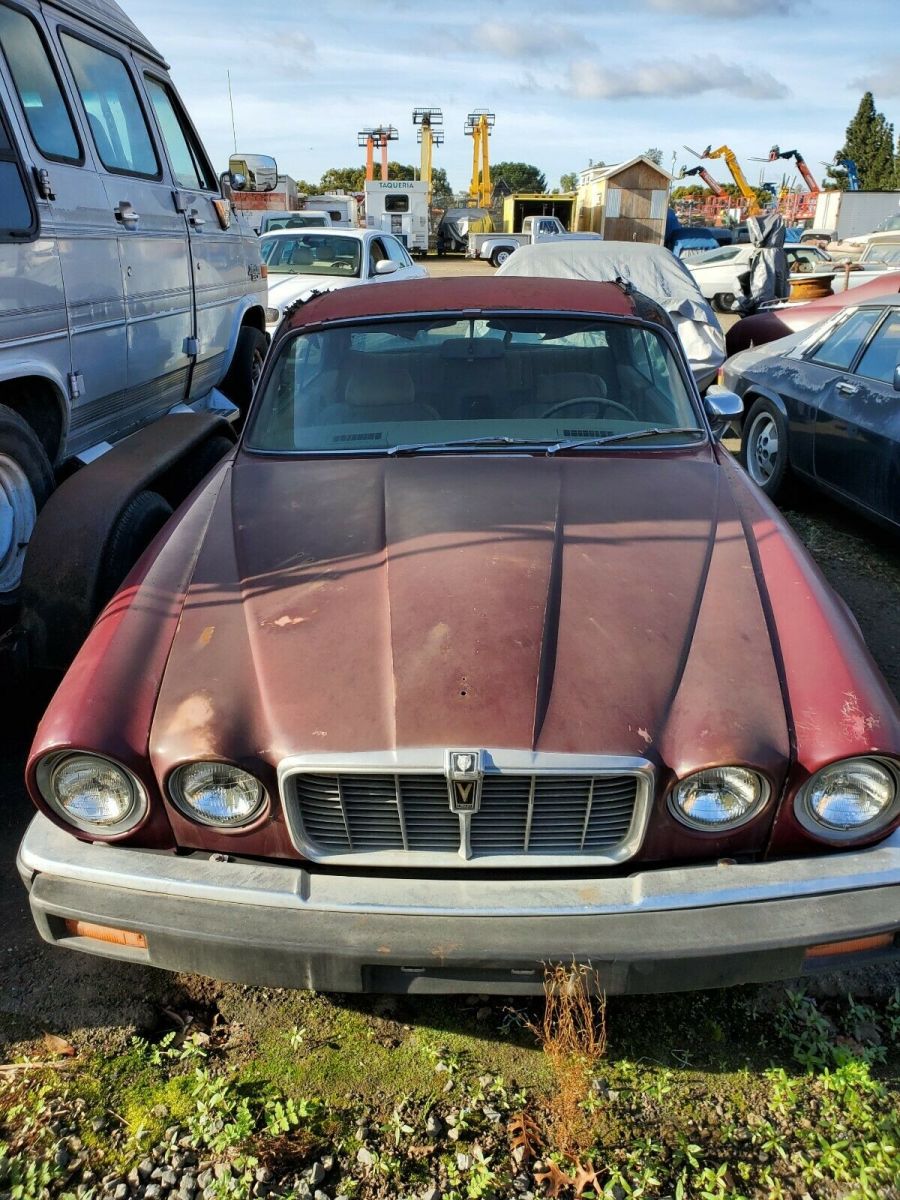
(18, 516)
(762, 449)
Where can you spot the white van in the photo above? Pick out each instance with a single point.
(129, 286)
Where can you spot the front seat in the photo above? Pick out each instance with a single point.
(381, 392)
(564, 385)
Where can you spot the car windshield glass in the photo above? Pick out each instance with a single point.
(886, 253)
(310, 253)
(489, 381)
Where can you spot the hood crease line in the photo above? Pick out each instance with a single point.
(550, 630)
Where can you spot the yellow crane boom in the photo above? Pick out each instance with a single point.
(478, 127)
(731, 162)
(429, 122)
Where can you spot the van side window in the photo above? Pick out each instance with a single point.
(189, 164)
(113, 110)
(16, 210)
(37, 86)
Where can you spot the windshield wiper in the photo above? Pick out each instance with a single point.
(629, 436)
(498, 440)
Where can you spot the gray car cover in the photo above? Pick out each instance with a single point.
(653, 270)
(767, 275)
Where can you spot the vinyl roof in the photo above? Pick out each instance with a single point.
(408, 297)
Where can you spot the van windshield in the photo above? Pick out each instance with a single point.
(540, 380)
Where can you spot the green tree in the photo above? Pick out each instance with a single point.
(569, 182)
(519, 176)
(869, 142)
(655, 155)
(348, 179)
(305, 188)
(353, 179)
(441, 191)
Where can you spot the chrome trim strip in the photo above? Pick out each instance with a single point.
(47, 849)
(430, 760)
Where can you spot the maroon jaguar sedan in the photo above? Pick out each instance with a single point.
(478, 653)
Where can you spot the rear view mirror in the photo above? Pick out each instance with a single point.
(722, 407)
(253, 172)
(387, 266)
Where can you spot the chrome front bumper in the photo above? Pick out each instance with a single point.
(286, 925)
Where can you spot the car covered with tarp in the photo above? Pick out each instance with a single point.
(650, 269)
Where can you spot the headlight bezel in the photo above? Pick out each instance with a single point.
(695, 826)
(857, 833)
(48, 769)
(176, 795)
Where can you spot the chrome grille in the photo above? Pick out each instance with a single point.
(529, 815)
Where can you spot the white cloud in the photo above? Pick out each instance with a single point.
(884, 81)
(512, 40)
(669, 77)
(727, 9)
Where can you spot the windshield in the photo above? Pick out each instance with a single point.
(538, 380)
(310, 253)
(885, 252)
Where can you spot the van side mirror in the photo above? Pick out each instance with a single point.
(253, 172)
(722, 407)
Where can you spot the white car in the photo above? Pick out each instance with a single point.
(300, 260)
(717, 271)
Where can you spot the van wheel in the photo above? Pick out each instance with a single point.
(136, 526)
(499, 257)
(722, 301)
(246, 368)
(26, 481)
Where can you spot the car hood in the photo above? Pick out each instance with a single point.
(600, 604)
(283, 289)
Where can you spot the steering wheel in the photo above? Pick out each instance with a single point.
(602, 403)
(344, 266)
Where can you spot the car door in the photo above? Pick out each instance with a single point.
(219, 262)
(377, 252)
(858, 429)
(74, 211)
(406, 268)
(152, 233)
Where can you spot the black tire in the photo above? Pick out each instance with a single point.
(136, 526)
(500, 255)
(246, 368)
(764, 449)
(26, 482)
(722, 301)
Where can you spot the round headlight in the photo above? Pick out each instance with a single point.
(92, 793)
(216, 793)
(273, 316)
(849, 798)
(719, 798)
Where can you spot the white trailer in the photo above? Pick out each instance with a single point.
(400, 207)
(846, 214)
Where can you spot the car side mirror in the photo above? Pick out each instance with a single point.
(722, 407)
(897, 378)
(387, 266)
(260, 172)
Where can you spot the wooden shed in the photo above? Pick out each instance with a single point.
(625, 202)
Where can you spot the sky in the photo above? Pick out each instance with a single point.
(569, 84)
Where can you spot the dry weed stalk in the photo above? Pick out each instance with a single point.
(572, 1033)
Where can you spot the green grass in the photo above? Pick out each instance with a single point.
(737, 1095)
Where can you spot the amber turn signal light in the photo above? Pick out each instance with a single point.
(106, 933)
(863, 945)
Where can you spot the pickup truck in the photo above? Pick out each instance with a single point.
(497, 247)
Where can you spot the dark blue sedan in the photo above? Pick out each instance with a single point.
(823, 407)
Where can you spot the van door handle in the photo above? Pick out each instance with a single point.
(846, 389)
(126, 214)
(196, 220)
